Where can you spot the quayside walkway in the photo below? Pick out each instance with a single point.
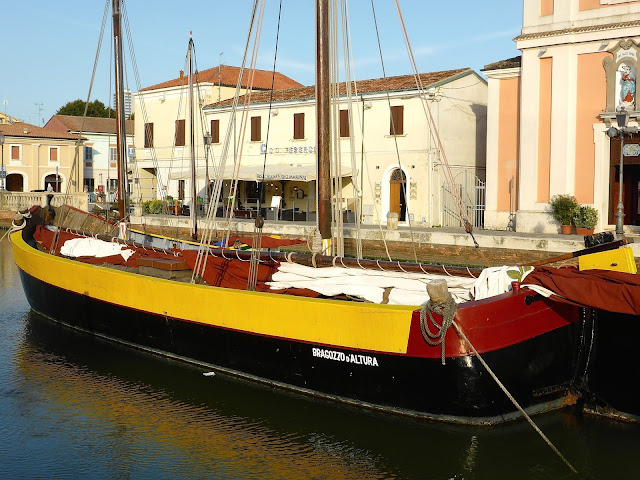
(487, 239)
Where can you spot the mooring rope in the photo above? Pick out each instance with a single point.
(447, 310)
(513, 400)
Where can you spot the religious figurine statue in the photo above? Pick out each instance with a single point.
(628, 86)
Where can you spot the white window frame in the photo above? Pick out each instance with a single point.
(88, 153)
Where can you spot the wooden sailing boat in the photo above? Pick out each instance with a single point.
(398, 358)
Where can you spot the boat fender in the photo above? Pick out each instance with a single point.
(440, 302)
(18, 221)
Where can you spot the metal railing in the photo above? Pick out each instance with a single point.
(473, 202)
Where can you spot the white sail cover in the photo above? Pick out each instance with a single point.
(92, 247)
(393, 288)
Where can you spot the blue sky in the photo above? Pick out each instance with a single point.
(50, 47)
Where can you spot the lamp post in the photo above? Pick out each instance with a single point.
(622, 118)
(2, 172)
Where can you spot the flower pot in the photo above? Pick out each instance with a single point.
(566, 229)
(584, 231)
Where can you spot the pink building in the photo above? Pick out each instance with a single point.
(549, 111)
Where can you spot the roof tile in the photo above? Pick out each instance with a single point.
(227, 76)
(392, 84)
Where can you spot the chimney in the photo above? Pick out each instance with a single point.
(181, 74)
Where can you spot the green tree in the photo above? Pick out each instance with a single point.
(95, 109)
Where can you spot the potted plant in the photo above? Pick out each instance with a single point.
(585, 219)
(562, 209)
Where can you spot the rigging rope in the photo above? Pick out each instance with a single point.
(203, 250)
(395, 137)
(75, 166)
(425, 105)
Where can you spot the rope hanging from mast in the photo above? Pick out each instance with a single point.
(425, 105)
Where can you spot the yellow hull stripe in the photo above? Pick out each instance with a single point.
(383, 328)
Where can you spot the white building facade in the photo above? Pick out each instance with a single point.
(397, 160)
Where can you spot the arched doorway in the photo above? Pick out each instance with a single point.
(397, 200)
(630, 180)
(54, 180)
(15, 182)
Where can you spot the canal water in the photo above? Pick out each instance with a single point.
(73, 406)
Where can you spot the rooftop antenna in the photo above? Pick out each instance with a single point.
(39, 105)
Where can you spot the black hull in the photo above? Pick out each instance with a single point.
(613, 371)
(537, 372)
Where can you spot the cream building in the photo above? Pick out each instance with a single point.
(550, 108)
(160, 112)
(99, 159)
(35, 158)
(399, 165)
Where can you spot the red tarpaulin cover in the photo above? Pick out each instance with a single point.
(233, 273)
(219, 272)
(44, 237)
(612, 291)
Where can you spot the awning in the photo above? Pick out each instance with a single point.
(281, 171)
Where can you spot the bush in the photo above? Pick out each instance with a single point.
(585, 217)
(152, 206)
(562, 208)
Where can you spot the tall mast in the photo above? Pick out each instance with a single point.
(121, 141)
(323, 123)
(194, 203)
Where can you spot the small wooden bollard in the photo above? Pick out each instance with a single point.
(438, 291)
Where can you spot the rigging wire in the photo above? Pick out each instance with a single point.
(75, 166)
(447, 171)
(259, 223)
(203, 250)
(395, 137)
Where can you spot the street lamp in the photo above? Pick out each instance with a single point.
(622, 118)
(2, 172)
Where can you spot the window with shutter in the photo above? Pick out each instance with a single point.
(53, 154)
(256, 134)
(15, 152)
(298, 126)
(148, 135)
(215, 131)
(344, 123)
(397, 120)
(179, 133)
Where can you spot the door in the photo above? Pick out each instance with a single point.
(397, 202)
(630, 181)
(14, 182)
(54, 181)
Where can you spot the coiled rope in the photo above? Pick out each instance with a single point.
(447, 310)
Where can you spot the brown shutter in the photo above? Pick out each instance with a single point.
(15, 152)
(397, 117)
(256, 134)
(298, 126)
(53, 154)
(344, 123)
(215, 131)
(148, 135)
(179, 133)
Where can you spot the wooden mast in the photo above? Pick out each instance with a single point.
(121, 142)
(323, 124)
(194, 204)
